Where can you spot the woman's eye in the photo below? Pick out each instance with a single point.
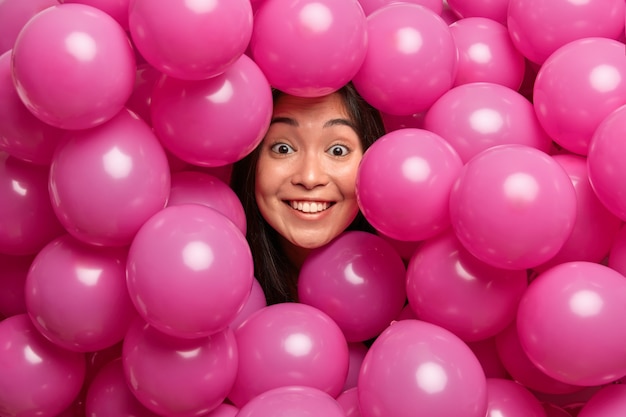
(282, 148)
(339, 150)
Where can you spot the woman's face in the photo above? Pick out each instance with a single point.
(306, 171)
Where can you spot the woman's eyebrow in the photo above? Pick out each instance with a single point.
(287, 120)
(340, 122)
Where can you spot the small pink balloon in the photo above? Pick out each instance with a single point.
(356, 352)
(507, 398)
(12, 278)
(486, 53)
(192, 187)
(13, 16)
(309, 48)
(191, 40)
(27, 219)
(403, 184)
(117, 9)
(477, 116)
(420, 47)
(289, 344)
(491, 9)
(256, 301)
(418, 369)
(216, 121)
(139, 101)
(38, 378)
(358, 279)
(105, 182)
(513, 206)
(92, 52)
(292, 401)
(108, 395)
(76, 295)
(189, 271)
(617, 255)
(349, 401)
(370, 6)
(609, 401)
(539, 27)
(178, 377)
(596, 66)
(569, 323)
(487, 354)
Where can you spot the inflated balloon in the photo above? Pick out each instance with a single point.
(577, 87)
(569, 323)
(289, 344)
(513, 206)
(179, 377)
(117, 9)
(292, 401)
(370, 6)
(92, 52)
(403, 184)
(491, 9)
(189, 187)
(448, 286)
(22, 135)
(223, 410)
(256, 301)
(419, 44)
(105, 182)
(417, 369)
(38, 378)
(189, 271)
(309, 48)
(191, 40)
(486, 53)
(554, 410)
(216, 121)
(139, 101)
(12, 278)
(540, 27)
(76, 295)
(507, 398)
(349, 401)
(358, 279)
(476, 116)
(607, 402)
(13, 16)
(27, 220)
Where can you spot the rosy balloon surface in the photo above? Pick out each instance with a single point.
(117, 9)
(13, 16)
(370, 6)
(507, 398)
(292, 401)
(492, 9)
(92, 53)
(607, 402)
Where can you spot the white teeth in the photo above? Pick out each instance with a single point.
(309, 206)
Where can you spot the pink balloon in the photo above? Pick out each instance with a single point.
(223, 410)
(617, 255)
(13, 16)
(179, 377)
(189, 271)
(255, 302)
(309, 48)
(487, 354)
(108, 394)
(449, 287)
(491, 9)
(507, 398)
(358, 279)
(105, 182)
(192, 40)
(76, 295)
(370, 6)
(569, 323)
(292, 401)
(486, 53)
(349, 401)
(513, 206)
(417, 369)
(92, 52)
(554, 411)
(540, 27)
(22, 135)
(596, 66)
(27, 220)
(420, 47)
(139, 101)
(188, 187)
(289, 344)
(38, 378)
(216, 121)
(609, 401)
(605, 166)
(117, 9)
(356, 352)
(477, 116)
(404, 181)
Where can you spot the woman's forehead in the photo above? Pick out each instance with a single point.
(287, 105)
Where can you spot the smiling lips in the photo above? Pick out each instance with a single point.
(310, 206)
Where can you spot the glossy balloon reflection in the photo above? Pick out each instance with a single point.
(292, 401)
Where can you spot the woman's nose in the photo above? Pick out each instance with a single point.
(310, 172)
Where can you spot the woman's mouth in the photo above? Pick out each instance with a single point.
(310, 206)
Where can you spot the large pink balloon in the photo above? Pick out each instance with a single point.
(448, 286)
(12, 278)
(309, 48)
(92, 53)
(596, 67)
(609, 401)
(289, 344)
(403, 184)
(540, 27)
(117, 9)
(105, 182)
(513, 206)
(27, 220)
(216, 121)
(507, 398)
(76, 295)
(476, 116)
(569, 323)
(190, 40)
(491, 9)
(38, 378)
(177, 377)
(358, 279)
(418, 369)
(13, 16)
(411, 59)
(292, 401)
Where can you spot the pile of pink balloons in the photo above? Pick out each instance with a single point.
(495, 285)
